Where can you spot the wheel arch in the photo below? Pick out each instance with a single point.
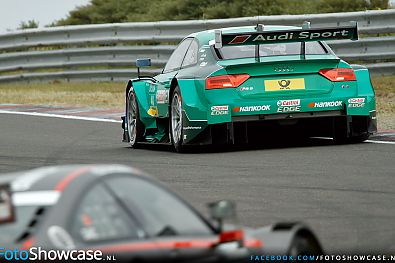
(278, 238)
(173, 85)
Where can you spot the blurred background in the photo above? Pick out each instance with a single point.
(19, 14)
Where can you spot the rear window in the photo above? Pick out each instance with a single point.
(268, 50)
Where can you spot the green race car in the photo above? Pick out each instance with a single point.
(242, 84)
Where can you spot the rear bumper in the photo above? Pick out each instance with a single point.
(247, 129)
(290, 108)
(288, 116)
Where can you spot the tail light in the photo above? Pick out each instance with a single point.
(226, 81)
(338, 74)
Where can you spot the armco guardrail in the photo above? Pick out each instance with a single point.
(26, 54)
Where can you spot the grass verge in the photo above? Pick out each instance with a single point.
(84, 94)
(111, 95)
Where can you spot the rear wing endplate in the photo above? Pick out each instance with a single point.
(305, 34)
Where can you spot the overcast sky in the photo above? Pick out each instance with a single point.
(12, 12)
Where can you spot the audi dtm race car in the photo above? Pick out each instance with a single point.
(242, 84)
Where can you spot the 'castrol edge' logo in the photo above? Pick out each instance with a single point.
(288, 105)
(219, 110)
(356, 102)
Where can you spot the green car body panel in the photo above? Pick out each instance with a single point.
(314, 96)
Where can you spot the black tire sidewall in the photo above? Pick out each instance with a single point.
(179, 145)
(139, 125)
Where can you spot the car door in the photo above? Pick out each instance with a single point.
(159, 91)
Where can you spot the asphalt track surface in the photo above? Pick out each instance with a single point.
(346, 193)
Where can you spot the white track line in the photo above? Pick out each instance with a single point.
(115, 121)
(369, 141)
(382, 142)
(58, 116)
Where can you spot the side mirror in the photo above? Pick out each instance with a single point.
(6, 208)
(142, 62)
(222, 210)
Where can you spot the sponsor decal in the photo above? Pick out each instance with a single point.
(284, 84)
(252, 108)
(288, 105)
(301, 35)
(203, 64)
(219, 110)
(246, 88)
(152, 89)
(325, 104)
(193, 128)
(283, 69)
(291, 35)
(162, 96)
(356, 102)
(239, 39)
(153, 111)
(295, 102)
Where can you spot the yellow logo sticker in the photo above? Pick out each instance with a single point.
(153, 111)
(284, 84)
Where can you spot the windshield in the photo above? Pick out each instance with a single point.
(267, 50)
(160, 213)
(10, 232)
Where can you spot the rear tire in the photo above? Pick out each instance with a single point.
(135, 126)
(304, 245)
(341, 134)
(359, 138)
(176, 120)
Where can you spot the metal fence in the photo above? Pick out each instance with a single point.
(107, 52)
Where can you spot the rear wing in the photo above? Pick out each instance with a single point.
(305, 34)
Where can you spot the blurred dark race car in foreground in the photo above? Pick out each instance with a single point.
(127, 215)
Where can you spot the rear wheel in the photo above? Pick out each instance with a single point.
(135, 126)
(304, 245)
(359, 138)
(176, 120)
(340, 135)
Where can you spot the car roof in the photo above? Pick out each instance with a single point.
(56, 178)
(205, 36)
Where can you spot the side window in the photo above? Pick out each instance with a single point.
(191, 56)
(159, 212)
(178, 55)
(99, 217)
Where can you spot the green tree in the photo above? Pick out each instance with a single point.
(28, 24)
(113, 11)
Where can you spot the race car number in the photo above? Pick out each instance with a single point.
(284, 84)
